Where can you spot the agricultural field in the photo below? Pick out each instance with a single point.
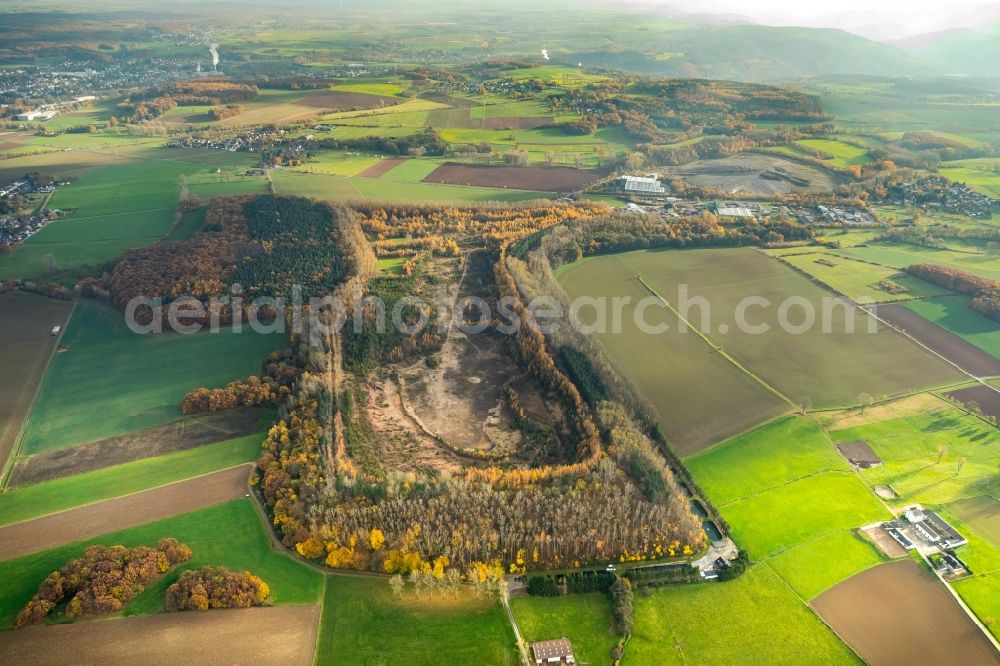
(825, 368)
(935, 456)
(134, 381)
(26, 322)
(47, 497)
(699, 397)
(756, 617)
(544, 179)
(586, 619)
(861, 282)
(210, 637)
(112, 206)
(954, 315)
(228, 534)
(900, 613)
(983, 181)
(362, 618)
(844, 154)
(899, 256)
(972, 359)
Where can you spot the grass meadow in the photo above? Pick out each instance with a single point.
(755, 616)
(230, 534)
(364, 623)
(586, 619)
(857, 280)
(133, 381)
(916, 469)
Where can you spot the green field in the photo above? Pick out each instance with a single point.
(824, 364)
(133, 381)
(908, 446)
(900, 256)
(815, 566)
(954, 314)
(698, 396)
(68, 492)
(585, 619)
(779, 519)
(229, 534)
(364, 623)
(763, 459)
(981, 180)
(754, 619)
(844, 154)
(857, 280)
(115, 206)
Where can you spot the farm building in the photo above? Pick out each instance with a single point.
(643, 184)
(558, 651)
(932, 528)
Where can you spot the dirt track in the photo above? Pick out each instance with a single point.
(541, 179)
(278, 635)
(970, 358)
(85, 522)
(899, 613)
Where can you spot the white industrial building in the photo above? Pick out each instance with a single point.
(643, 184)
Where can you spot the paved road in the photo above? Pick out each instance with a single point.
(38, 534)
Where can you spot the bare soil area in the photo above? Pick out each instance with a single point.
(26, 322)
(85, 522)
(279, 635)
(970, 358)
(886, 543)
(541, 179)
(756, 174)
(403, 443)
(177, 436)
(381, 167)
(899, 613)
(986, 397)
(347, 101)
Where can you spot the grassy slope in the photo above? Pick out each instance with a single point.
(60, 494)
(133, 381)
(229, 534)
(363, 623)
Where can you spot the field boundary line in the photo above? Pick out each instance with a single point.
(118, 497)
(979, 380)
(15, 449)
(717, 348)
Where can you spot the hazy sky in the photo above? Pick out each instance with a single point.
(877, 19)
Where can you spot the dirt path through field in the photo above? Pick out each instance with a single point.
(85, 522)
(279, 635)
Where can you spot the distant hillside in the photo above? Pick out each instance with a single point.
(758, 53)
(961, 51)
